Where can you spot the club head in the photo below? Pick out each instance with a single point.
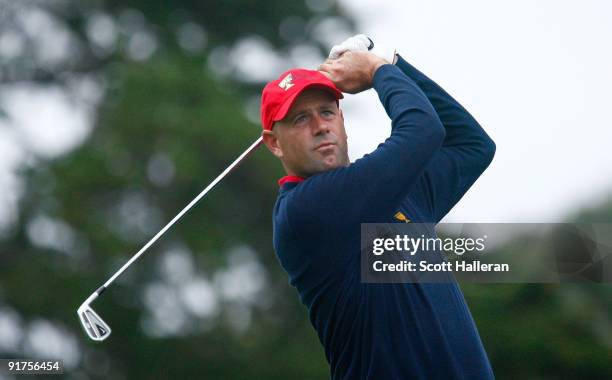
(94, 326)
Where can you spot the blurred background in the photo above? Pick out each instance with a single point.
(115, 114)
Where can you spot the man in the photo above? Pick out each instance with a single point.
(436, 151)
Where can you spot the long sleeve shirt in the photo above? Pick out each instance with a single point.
(435, 152)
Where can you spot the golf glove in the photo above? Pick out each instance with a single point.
(361, 42)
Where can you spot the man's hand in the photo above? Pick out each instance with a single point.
(353, 71)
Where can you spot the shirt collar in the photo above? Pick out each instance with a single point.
(290, 179)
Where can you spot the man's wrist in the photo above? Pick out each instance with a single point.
(380, 74)
(377, 65)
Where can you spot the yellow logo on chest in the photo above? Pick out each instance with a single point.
(401, 217)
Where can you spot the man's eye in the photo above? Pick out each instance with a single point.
(300, 119)
(328, 113)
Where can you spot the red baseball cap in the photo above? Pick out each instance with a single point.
(278, 96)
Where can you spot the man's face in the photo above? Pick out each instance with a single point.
(311, 138)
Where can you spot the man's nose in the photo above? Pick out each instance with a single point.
(319, 125)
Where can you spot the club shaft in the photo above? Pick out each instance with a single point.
(184, 210)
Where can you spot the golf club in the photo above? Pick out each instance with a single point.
(94, 326)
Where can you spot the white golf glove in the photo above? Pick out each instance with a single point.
(361, 42)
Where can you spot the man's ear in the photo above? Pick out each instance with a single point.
(271, 141)
(341, 114)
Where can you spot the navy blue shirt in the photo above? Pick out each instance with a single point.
(387, 331)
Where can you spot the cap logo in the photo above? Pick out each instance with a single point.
(286, 83)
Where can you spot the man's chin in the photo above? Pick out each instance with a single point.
(327, 165)
(330, 164)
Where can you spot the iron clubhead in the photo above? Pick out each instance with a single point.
(94, 326)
